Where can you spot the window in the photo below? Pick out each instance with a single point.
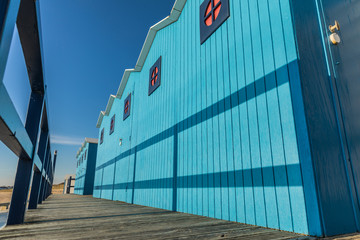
(127, 106)
(85, 153)
(155, 76)
(112, 124)
(213, 13)
(102, 136)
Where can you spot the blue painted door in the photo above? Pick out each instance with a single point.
(344, 69)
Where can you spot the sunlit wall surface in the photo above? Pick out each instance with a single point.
(221, 123)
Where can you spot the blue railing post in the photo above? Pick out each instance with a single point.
(25, 165)
(52, 174)
(46, 186)
(43, 172)
(35, 186)
(35, 189)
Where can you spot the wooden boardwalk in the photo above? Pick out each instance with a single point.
(83, 217)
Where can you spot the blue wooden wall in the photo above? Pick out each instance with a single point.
(218, 137)
(85, 171)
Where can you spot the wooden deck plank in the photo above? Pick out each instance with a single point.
(83, 217)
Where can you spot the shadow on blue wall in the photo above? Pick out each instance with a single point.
(260, 86)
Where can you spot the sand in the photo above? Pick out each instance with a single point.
(5, 196)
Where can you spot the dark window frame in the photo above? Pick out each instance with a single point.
(127, 107)
(102, 136)
(112, 125)
(155, 76)
(217, 20)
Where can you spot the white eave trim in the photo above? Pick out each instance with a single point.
(174, 16)
(87, 140)
(91, 140)
(101, 116)
(109, 105)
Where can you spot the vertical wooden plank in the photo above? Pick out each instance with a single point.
(158, 96)
(215, 133)
(198, 94)
(204, 127)
(173, 116)
(285, 217)
(180, 84)
(272, 108)
(154, 155)
(138, 194)
(246, 108)
(145, 152)
(166, 143)
(290, 141)
(254, 123)
(229, 89)
(192, 107)
(210, 130)
(221, 85)
(197, 108)
(197, 133)
(187, 199)
(183, 116)
(260, 102)
(237, 61)
(132, 140)
(164, 125)
(159, 194)
(192, 103)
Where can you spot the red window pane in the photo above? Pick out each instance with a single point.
(208, 8)
(126, 107)
(208, 21)
(212, 12)
(154, 76)
(217, 11)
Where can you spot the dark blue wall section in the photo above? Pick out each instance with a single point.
(85, 170)
(336, 194)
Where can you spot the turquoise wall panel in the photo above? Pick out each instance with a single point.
(218, 137)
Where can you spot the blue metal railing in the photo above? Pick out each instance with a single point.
(31, 143)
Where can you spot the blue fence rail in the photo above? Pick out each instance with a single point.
(31, 143)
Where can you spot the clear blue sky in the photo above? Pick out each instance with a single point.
(87, 45)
